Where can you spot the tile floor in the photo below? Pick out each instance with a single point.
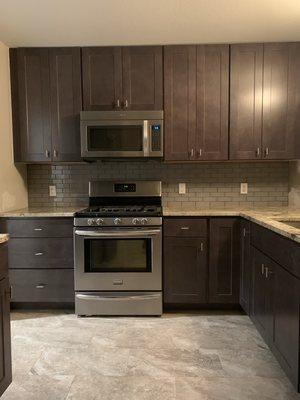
(206, 356)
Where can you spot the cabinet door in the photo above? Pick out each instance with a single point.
(212, 102)
(281, 100)
(66, 103)
(142, 78)
(5, 339)
(246, 70)
(102, 78)
(180, 102)
(185, 270)
(245, 265)
(286, 321)
(224, 260)
(261, 299)
(31, 104)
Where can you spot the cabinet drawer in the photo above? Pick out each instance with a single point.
(39, 227)
(41, 253)
(34, 285)
(282, 250)
(188, 227)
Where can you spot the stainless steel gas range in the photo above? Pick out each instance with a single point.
(118, 250)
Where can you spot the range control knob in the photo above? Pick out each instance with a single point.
(90, 221)
(144, 221)
(117, 221)
(99, 221)
(135, 221)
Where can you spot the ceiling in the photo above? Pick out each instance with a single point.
(121, 22)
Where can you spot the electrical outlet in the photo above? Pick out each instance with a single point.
(244, 188)
(182, 188)
(52, 191)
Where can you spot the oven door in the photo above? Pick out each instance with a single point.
(118, 259)
(125, 138)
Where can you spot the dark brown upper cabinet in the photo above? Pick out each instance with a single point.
(116, 78)
(46, 101)
(196, 90)
(265, 82)
(224, 260)
(66, 103)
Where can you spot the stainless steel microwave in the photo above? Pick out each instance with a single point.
(118, 134)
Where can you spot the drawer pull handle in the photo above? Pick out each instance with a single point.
(201, 246)
(40, 286)
(184, 228)
(38, 254)
(38, 229)
(262, 269)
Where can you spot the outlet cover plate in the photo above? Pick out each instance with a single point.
(52, 191)
(182, 188)
(244, 188)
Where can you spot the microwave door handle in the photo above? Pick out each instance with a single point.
(146, 142)
(143, 233)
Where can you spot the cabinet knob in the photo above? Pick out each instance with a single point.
(38, 254)
(201, 246)
(55, 153)
(125, 104)
(266, 151)
(257, 152)
(199, 153)
(38, 229)
(262, 269)
(40, 286)
(268, 272)
(118, 103)
(192, 152)
(47, 153)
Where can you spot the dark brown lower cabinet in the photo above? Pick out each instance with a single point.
(5, 338)
(286, 312)
(262, 295)
(41, 261)
(185, 270)
(275, 311)
(5, 342)
(224, 260)
(245, 265)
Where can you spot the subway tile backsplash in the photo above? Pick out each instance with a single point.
(208, 185)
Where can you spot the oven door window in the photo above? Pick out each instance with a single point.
(117, 255)
(115, 138)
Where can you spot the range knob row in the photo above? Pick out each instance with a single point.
(139, 221)
(98, 221)
(117, 221)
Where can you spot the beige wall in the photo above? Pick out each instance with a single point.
(13, 192)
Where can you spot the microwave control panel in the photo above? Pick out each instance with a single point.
(156, 137)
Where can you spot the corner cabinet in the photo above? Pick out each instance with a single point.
(264, 82)
(122, 78)
(46, 103)
(196, 90)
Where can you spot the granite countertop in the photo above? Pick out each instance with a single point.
(268, 217)
(41, 212)
(4, 237)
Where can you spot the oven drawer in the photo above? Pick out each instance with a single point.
(39, 227)
(34, 285)
(191, 227)
(41, 253)
(118, 303)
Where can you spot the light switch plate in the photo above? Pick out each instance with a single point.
(182, 188)
(52, 191)
(244, 188)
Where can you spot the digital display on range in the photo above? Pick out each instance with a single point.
(124, 187)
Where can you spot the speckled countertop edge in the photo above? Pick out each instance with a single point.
(41, 212)
(268, 218)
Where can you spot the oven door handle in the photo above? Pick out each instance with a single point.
(109, 234)
(119, 298)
